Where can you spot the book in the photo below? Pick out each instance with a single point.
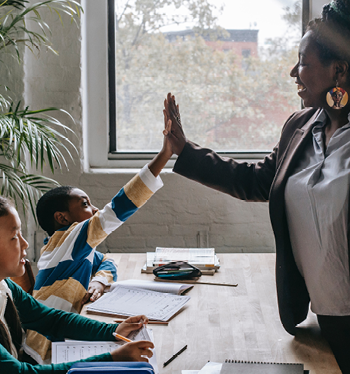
(132, 301)
(249, 367)
(204, 259)
(173, 288)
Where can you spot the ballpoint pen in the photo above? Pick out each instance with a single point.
(173, 357)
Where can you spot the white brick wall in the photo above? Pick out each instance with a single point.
(181, 209)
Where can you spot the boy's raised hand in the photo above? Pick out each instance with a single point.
(131, 324)
(135, 351)
(94, 292)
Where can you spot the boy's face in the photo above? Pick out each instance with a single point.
(80, 207)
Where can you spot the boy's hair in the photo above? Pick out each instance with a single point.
(5, 205)
(55, 200)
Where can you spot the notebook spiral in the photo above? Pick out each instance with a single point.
(257, 362)
(259, 367)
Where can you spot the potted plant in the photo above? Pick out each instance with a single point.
(29, 138)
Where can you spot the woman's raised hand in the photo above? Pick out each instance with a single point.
(173, 127)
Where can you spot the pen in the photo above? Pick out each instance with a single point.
(122, 337)
(175, 355)
(148, 323)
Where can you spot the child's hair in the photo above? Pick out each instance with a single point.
(55, 200)
(11, 315)
(5, 205)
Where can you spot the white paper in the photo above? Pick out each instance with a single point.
(75, 350)
(171, 287)
(211, 368)
(203, 256)
(128, 301)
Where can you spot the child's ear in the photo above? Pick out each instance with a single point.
(60, 217)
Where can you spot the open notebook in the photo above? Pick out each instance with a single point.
(125, 300)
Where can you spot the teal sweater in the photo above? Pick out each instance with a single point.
(54, 323)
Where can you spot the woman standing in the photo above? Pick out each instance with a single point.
(306, 180)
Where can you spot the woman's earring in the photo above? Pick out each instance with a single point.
(337, 97)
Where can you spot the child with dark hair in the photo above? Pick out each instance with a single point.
(69, 259)
(19, 310)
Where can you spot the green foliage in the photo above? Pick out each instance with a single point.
(30, 138)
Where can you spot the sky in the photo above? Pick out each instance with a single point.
(264, 15)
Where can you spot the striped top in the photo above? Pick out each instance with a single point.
(69, 259)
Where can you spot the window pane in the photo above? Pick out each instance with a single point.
(228, 66)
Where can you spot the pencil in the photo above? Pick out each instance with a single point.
(122, 337)
(148, 323)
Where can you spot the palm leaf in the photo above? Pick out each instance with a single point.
(27, 188)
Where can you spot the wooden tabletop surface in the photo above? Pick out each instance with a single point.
(240, 323)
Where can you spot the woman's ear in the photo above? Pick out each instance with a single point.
(341, 72)
(61, 218)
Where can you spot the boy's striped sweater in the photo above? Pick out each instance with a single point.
(69, 259)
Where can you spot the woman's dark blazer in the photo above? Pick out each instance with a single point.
(263, 181)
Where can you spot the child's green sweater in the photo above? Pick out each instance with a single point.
(56, 323)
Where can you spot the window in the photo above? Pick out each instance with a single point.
(229, 71)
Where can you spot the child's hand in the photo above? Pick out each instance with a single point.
(131, 324)
(94, 292)
(133, 351)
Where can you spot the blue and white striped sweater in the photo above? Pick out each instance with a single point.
(69, 259)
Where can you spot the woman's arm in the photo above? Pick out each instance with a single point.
(246, 181)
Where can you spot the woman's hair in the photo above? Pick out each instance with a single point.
(332, 32)
(14, 326)
(5, 205)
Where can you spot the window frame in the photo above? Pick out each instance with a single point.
(99, 92)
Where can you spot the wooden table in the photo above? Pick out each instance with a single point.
(239, 323)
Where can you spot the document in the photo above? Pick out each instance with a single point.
(130, 301)
(194, 256)
(75, 350)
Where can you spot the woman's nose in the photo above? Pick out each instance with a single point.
(294, 72)
(94, 209)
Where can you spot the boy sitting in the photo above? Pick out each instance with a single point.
(76, 227)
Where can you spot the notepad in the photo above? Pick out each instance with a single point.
(174, 288)
(131, 301)
(247, 367)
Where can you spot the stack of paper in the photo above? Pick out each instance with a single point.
(204, 259)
